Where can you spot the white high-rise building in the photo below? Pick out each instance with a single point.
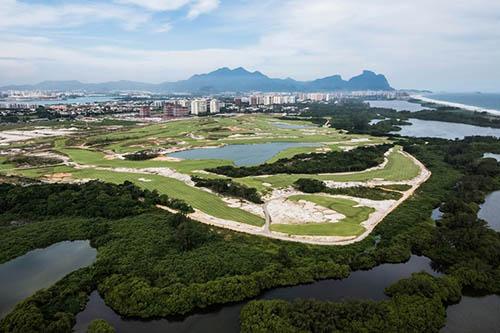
(198, 106)
(214, 106)
(268, 100)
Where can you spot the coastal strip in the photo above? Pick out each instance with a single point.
(457, 105)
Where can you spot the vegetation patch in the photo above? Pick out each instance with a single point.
(374, 193)
(31, 160)
(228, 187)
(416, 305)
(92, 199)
(142, 155)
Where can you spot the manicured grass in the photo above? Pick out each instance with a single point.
(290, 152)
(5, 166)
(91, 157)
(349, 226)
(214, 130)
(202, 200)
(398, 168)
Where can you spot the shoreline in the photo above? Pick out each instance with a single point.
(457, 105)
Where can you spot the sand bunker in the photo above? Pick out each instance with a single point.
(167, 159)
(284, 211)
(42, 132)
(59, 177)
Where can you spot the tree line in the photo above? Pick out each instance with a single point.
(91, 199)
(309, 185)
(230, 188)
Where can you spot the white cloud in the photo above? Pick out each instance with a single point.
(16, 14)
(165, 27)
(200, 7)
(196, 7)
(405, 39)
(157, 5)
(446, 44)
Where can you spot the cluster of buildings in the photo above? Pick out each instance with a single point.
(283, 99)
(178, 108)
(267, 99)
(155, 108)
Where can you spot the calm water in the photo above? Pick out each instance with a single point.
(397, 105)
(490, 211)
(78, 100)
(444, 130)
(359, 285)
(487, 101)
(474, 315)
(437, 214)
(490, 155)
(291, 126)
(376, 121)
(38, 269)
(241, 155)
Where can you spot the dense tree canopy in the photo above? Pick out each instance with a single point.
(230, 188)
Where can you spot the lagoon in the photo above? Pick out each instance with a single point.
(490, 210)
(241, 155)
(39, 269)
(397, 105)
(444, 130)
(359, 285)
(291, 126)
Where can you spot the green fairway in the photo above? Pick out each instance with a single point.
(349, 226)
(199, 199)
(96, 158)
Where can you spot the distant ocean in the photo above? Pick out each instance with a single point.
(486, 100)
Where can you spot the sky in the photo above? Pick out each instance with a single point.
(443, 45)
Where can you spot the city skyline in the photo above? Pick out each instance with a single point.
(445, 46)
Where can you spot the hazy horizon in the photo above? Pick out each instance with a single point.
(449, 46)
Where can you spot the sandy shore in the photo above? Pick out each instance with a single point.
(457, 105)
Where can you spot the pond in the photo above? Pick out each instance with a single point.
(437, 214)
(359, 285)
(397, 105)
(490, 210)
(241, 155)
(376, 121)
(444, 130)
(474, 314)
(291, 126)
(491, 155)
(39, 269)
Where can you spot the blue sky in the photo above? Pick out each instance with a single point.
(445, 45)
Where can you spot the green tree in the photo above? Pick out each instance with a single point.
(100, 326)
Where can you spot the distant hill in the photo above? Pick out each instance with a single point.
(221, 80)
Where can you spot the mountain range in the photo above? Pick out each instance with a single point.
(221, 80)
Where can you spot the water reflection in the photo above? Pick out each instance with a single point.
(397, 105)
(490, 210)
(491, 155)
(41, 268)
(474, 314)
(359, 285)
(291, 126)
(444, 130)
(241, 155)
